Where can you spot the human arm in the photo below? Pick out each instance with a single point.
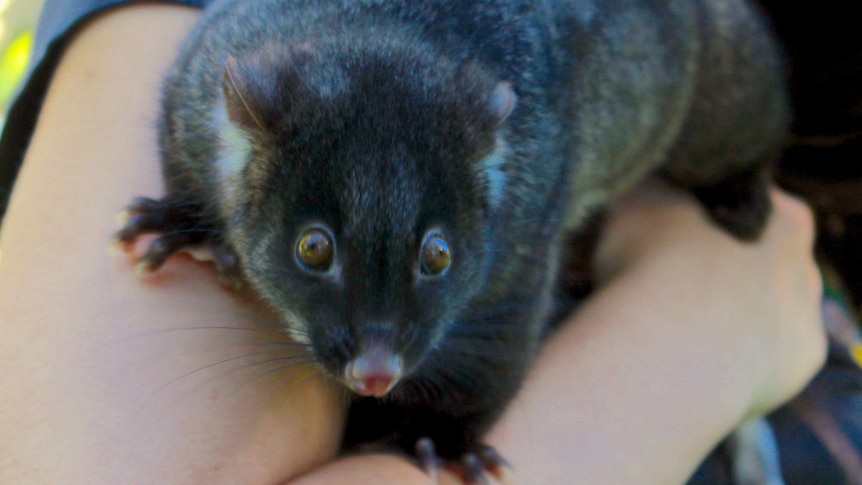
(90, 351)
(690, 333)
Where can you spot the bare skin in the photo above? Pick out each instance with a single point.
(108, 379)
(87, 357)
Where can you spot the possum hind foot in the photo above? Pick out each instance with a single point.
(180, 229)
(474, 466)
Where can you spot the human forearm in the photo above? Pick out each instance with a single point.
(93, 386)
(627, 394)
(691, 333)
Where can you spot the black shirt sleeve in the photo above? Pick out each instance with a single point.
(58, 19)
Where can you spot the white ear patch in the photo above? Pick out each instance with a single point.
(492, 169)
(234, 150)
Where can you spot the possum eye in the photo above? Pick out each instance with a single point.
(315, 249)
(435, 257)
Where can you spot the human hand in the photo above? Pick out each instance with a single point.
(688, 332)
(766, 295)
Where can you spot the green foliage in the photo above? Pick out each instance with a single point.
(13, 63)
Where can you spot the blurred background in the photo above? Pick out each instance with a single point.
(17, 18)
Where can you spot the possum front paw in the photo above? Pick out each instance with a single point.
(181, 229)
(474, 465)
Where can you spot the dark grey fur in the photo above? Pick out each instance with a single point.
(375, 118)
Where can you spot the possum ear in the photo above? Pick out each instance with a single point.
(503, 101)
(239, 94)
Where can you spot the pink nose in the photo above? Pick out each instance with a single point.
(373, 373)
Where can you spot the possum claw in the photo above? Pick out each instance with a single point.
(477, 466)
(428, 459)
(494, 463)
(473, 469)
(143, 267)
(181, 228)
(117, 248)
(482, 461)
(122, 218)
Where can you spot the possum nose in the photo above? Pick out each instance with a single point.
(374, 372)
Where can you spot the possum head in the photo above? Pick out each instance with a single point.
(357, 184)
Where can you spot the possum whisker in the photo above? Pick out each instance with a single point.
(214, 319)
(306, 378)
(455, 378)
(271, 331)
(343, 396)
(279, 368)
(225, 361)
(193, 230)
(285, 343)
(184, 198)
(425, 390)
(295, 358)
(279, 325)
(271, 335)
(295, 361)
